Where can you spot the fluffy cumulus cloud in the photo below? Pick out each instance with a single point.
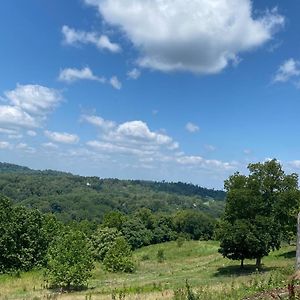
(14, 116)
(135, 140)
(72, 74)
(133, 137)
(27, 106)
(191, 127)
(62, 137)
(34, 99)
(200, 36)
(98, 121)
(75, 37)
(288, 70)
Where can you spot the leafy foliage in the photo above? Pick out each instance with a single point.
(136, 234)
(23, 238)
(260, 208)
(70, 261)
(119, 257)
(195, 224)
(78, 198)
(103, 240)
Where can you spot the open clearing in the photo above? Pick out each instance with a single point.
(196, 261)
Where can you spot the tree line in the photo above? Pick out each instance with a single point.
(76, 198)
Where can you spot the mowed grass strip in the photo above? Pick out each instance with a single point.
(196, 261)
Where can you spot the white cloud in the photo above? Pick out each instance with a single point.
(115, 83)
(73, 37)
(62, 137)
(135, 140)
(247, 151)
(5, 145)
(24, 147)
(27, 106)
(13, 116)
(34, 99)
(294, 164)
(7, 131)
(210, 148)
(200, 36)
(134, 74)
(191, 127)
(98, 121)
(15, 136)
(107, 147)
(72, 74)
(138, 131)
(31, 133)
(133, 137)
(50, 145)
(288, 70)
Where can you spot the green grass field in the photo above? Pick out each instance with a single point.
(195, 261)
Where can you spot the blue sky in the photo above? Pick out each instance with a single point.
(177, 90)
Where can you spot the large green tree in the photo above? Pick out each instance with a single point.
(260, 209)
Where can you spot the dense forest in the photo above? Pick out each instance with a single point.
(49, 217)
(71, 197)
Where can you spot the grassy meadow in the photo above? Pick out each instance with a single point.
(207, 272)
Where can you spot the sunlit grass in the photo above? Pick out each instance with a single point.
(197, 261)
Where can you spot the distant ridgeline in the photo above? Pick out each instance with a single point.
(73, 197)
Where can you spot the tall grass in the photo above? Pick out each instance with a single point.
(209, 276)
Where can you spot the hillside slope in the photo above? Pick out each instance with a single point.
(73, 197)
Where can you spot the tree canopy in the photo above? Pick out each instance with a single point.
(260, 208)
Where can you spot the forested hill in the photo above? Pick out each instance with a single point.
(73, 197)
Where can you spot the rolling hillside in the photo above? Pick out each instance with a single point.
(73, 197)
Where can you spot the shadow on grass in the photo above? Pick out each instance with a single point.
(289, 254)
(238, 271)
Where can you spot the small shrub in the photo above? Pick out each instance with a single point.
(180, 241)
(119, 257)
(160, 255)
(70, 261)
(186, 294)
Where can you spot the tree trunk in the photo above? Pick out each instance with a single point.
(242, 263)
(258, 263)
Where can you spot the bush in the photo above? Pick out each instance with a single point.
(160, 255)
(70, 261)
(23, 242)
(119, 257)
(103, 240)
(180, 241)
(136, 233)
